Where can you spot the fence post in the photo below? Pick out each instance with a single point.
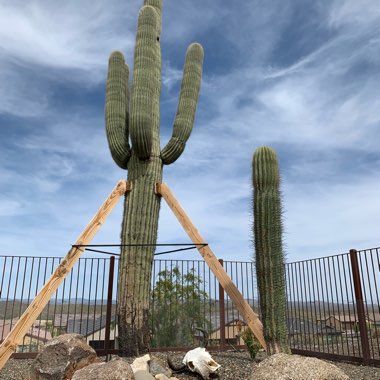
(109, 306)
(360, 306)
(222, 315)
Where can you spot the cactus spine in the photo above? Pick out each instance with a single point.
(133, 133)
(269, 254)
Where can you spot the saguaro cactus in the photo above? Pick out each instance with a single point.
(269, 254)
(133, 132)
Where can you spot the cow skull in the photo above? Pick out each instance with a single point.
(200, 361)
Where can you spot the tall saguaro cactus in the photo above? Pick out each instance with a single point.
(133, 132)
(269, 254)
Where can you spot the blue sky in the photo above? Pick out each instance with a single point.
(300, 76)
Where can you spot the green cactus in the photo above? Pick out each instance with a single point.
(269, 254)
(133, 133)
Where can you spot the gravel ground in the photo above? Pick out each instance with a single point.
(235, 366)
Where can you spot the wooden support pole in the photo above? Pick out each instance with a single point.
(233, 292)
(16, 335)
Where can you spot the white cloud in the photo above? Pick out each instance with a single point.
(179, 19)
(331, 218)
(170, 76)
(320, 112)
(21, 94)
(9, 207)
(354, 14)
(66, 35)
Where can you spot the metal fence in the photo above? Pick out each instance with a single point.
(333, 304)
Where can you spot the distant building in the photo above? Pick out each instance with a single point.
(94, 330)
(232, 330)
(305, 327)
(350, 322)
(302, 326)
(35, 337)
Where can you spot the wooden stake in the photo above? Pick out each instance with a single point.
(16, 335)
(241, 304)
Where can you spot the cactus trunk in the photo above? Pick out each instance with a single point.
(140, 223)
(269, 254)
(139, 122)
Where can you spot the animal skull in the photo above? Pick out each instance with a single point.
(200, 361)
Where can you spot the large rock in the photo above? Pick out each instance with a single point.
(156, 367)
(141, 363)
(295, 367)
(143, 375)
(116, 369)
(62, 356)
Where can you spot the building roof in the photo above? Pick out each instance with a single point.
(353, 318)
(87, 326)
(37, 332)
(374, 317)
(60, 320)
(303, 326)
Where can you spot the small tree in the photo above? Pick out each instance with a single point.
(179, 306)
(253, 345)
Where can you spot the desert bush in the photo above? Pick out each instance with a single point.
(251, 342)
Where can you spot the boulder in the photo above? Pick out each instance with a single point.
(156, 367)
(141, 363)
(161, 376)
(116, 369)
(62, 356)
(143, 375)
(295, 367)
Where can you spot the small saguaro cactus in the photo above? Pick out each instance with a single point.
(133, 133)
(269, 254)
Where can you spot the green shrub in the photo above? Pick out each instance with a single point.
(251, 342)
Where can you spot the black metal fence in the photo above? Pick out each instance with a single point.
(333, 304)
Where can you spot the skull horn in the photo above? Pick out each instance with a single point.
(175, 367)
(204, 341)
(181, 367)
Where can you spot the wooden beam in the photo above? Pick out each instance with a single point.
(16, 335)
(233, 292)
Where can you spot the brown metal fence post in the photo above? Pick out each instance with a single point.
(222, 315)
(109, 306)
(360, 306)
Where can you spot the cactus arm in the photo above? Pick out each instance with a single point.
(143, 85)
(116, 109)
(187, 104)
(157, 5)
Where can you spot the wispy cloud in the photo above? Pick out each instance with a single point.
(298, 76)
(66, 35)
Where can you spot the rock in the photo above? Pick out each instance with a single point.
(161, 376)
(260, 356)
(295, 367)
(156, 366)
(62, 356)
(143, 375)
(141, 363)
(116, 369)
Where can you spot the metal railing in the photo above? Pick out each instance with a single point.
(333, 304)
